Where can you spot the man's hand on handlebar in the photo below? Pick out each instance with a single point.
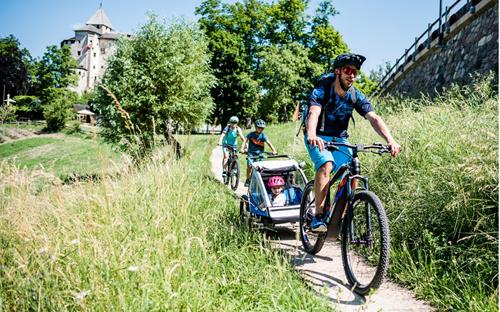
(313, 140)
(394, 147)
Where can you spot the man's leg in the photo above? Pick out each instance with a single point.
(321, 180)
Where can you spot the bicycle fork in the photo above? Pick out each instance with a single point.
(367, 238)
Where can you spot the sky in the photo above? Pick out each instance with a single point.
(380, 30)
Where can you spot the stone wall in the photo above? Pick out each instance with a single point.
(472, 49)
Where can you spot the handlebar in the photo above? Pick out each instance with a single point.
(266, 155)
(379, 147)
(230, 147)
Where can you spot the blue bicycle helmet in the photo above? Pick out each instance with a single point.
(260, 123)
(233, 119)
(349, 59)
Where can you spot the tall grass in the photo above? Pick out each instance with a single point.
(161, 237)
(440, 193)
(441, 196)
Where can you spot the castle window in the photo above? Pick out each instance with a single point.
(79, 53)
(95, 54)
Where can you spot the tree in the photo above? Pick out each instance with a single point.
(378, 74)
(325, 42)
(14, 63)
(235, 34)
(284, 75)
(160, 80)
(246, 39)
(56, 69)
(59, 107)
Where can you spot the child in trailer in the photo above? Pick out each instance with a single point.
(277, 196)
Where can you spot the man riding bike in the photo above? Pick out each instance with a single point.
(330, 107)
(229, 137)
(256, 140)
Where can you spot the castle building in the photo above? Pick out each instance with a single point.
(91, 46)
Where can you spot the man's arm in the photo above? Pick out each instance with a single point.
(243, 145)
(381, 128)
(240, 134)
(271, 146)
(312, 122)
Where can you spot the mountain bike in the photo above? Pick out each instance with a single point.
(232, 167)
(355, 213)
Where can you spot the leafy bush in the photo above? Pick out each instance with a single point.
(28, 106)
(58, 109)
(161, 82)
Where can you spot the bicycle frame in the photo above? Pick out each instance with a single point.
(347, 174)
(233, 155)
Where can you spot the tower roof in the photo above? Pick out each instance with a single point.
(100, 18)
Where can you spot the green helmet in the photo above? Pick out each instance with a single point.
(233, 119)
(260, 123)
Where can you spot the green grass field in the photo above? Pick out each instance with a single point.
(60, 155)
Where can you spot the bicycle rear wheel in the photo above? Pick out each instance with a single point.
(312, 242)
(234, 174)
(365, 243)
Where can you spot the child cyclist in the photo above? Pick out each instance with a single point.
(229, 136)
(256, 140)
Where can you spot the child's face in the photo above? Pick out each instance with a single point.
(276, 189)
(259, 129)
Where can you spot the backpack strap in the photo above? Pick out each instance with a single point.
(326, 101)
(353, 100)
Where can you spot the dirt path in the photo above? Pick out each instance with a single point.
(325, 272)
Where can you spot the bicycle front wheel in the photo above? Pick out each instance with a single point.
(365, 243)
(234, 174)
(312, 242)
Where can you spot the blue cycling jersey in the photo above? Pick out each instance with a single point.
(231, 136)
(338, 110)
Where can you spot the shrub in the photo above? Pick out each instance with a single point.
(58, 109)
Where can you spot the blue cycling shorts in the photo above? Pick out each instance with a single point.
(337, 158)
(225, 150)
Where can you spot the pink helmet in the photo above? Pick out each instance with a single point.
(276, 181)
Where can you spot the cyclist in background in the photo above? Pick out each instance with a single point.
(256, 140)
(229, 136)
(328, 120)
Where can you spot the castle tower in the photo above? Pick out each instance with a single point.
(91, 46)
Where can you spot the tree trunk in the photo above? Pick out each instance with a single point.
(169, 137)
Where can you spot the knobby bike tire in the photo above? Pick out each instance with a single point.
(358, 264)
(234, 175)
(312, 242)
